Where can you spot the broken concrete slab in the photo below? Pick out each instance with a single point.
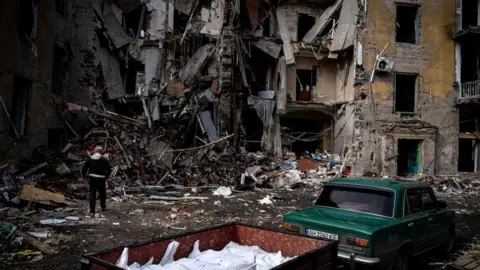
(111, 74)
(269, 47)
(195, 64)
(158, 19)
(345, 34)
(213, 18)
(206, 120)
(184, 6)
(115, 30)
(63, 170)
(287, 46)
(321, 22)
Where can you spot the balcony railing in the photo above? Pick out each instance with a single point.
(470, 90)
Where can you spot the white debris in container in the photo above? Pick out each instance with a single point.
(232, 257)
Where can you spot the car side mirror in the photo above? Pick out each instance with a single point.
(441, 204)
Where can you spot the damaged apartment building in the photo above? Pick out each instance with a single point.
(390, 86)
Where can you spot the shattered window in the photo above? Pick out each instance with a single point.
(373, 201)
(407, 24)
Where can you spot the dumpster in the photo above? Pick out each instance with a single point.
(309, 253)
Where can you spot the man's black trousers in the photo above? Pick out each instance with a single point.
(97, 184)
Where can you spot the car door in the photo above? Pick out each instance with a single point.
(439, 220)
(415, 219)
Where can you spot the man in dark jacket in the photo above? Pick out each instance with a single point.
(97, 169)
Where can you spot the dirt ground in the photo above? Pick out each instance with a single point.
(125, 224)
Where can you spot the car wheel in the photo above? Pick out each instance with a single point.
(401, 262)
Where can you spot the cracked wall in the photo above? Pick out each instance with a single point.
(433, 59)
(31, 59)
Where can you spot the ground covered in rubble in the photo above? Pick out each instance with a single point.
(134, 221)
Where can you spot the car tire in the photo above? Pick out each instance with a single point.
(402, 261)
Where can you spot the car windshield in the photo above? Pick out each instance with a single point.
(373, 201)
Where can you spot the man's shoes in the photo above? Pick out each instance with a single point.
(92, 214)
(104, 210)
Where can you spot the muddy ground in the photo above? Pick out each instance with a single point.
(123, 224)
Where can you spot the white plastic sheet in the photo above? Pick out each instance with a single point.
(232, 257)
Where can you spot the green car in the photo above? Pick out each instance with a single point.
(377, 222)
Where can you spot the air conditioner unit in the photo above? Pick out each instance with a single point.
(384, 65)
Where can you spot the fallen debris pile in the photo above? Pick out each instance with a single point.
(452, 184)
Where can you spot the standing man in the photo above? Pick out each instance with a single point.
(97, 169)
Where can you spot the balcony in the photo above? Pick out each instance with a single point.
(468, 35)
(470, 91)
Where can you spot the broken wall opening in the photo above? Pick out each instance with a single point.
(253, 130)
(305, 23)
(19, 109)
(259, 64)
(469, 119)
(306, 131)
(467, 155)
(405, 92)
(306, 83)
(409, 157)
(470, 63)
(56, 139)
(407, 28)
(59, 69)
(27, 18)
(469, 13)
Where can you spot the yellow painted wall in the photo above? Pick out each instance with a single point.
(433, 58)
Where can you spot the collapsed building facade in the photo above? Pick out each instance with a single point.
(390, 86)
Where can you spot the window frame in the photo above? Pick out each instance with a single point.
(429, 191)
(416, 90)
(405, 202)
(416, 23)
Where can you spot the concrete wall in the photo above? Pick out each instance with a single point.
(18, 59)
(433, 58)
(74, 32)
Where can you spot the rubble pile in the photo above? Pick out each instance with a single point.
(452, 184)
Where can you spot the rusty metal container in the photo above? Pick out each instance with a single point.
(310, 253)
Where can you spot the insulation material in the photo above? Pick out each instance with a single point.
(111, 74)
(213, 18)
(282, 27)
(158, 18)
(345, 34)
(232, 257)
(115, 30)
(264, 109)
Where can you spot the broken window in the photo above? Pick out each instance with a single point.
(58, 71)
(56, 139)
(27, 18)
(407, 24)
(61, 7)
(306, 83)
(405, 92)
(469, 13)
(305, 23)
(19, 107)
(409, 156)
(469, 121)
(470, 63)
(467, 155)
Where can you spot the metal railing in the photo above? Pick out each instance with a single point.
(470, 90)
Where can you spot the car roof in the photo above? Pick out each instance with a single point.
(380, 183)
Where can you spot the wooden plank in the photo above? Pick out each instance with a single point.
(48, 250)
(30, 193)
(462, 261)
(282, 27)
(345, 34)
(269, 47)
(321, 22)
(472, 265)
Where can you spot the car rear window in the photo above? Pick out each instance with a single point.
(373, 201)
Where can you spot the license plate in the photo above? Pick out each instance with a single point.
(324, 235)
